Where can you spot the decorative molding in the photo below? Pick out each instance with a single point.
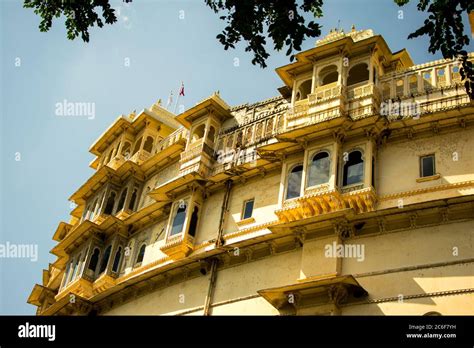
(443, 187)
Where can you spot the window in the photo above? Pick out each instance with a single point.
(413, 83)
(353, 169)
(76, 268)
(116, 263)
(66, 276)
(92, 210)
(198, 133)
(328, 75)
(304, 89)
(248, 209)
(141, 254)
(137, 146)
(427, 166)
(178, 221)
(319, 169)
(193, 222)
(110, 204)
(126, 149)
(105, 259)
(358, 73)
(148, 146)
(94, 260)
(133, 199)
(121, 203)
(294, 182)
(211, 134)
(427, 80)
(400, 87)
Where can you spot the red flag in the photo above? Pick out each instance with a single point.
(181, 90)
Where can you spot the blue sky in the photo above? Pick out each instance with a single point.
(163, 50)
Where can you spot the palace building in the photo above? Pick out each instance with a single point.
(325, 200)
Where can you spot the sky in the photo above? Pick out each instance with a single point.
(154, 46)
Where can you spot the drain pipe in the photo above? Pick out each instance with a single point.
(219, 242)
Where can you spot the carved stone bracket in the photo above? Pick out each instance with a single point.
(344, 229)
(338, 294)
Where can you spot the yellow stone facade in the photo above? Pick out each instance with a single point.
(352, 193)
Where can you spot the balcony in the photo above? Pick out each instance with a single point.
(140, 156)
(324, 200)
(327, 102)
(81, 287)
(434, 86)
(199, 158)
(179, 246)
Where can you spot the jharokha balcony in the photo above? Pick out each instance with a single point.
(323, 200)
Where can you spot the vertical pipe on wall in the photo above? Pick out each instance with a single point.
(220, 232)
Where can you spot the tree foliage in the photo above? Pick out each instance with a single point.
(80, 15)
(281, 21)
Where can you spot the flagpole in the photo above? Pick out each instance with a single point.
(176, 105)
(180, 90)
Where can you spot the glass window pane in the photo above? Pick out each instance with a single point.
(248, 209)
(353, 169)
(427, 166)
(319, 170)
(294, 182)
(178, 221)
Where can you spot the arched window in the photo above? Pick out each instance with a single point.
(76, 268)
(198, 133)
(358, 73)
(121, 203)
(148, 146)
(193, 222)
(304, 89)
(133, 199)
(109, 207)
(281, 123)
(178, 221)
(328, 75)
(413, 83)
(259, 131)
(94, 260)
(238, 142)
(93, 210)
(294, 182)
(66, 275)
(353, 169)
(269, 128)
(319, 169)
(248, 135)
(105, 259)
(141, 254)
(400, 87)
(115, 265)
(230, 141)
(211, 134)
(137, 146)
(126, 149)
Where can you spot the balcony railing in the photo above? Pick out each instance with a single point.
(173, 138)
(423, 79)
(326, 200)
(325, 93)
